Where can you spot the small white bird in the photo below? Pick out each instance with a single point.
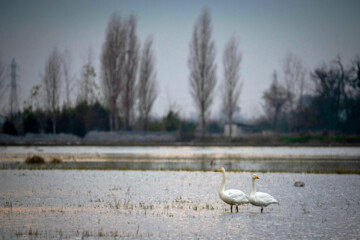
(260, 199)
(231, 196)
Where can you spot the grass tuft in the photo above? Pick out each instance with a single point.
(56, 160)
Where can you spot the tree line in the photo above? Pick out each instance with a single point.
(326, 99)
(331, 103)
(119, 88)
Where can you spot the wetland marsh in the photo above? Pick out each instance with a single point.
(262, 159)
(79, 204)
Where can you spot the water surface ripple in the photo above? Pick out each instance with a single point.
(182, 151)
(174, 205)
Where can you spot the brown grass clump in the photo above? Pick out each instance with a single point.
(56, 160)
(35, 160)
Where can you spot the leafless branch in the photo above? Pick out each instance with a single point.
(202, 67)
(87, 86)
(68, 77)
(131, 65)
(113, 61)
(275, 99)
(231, 87)
(147, 87)
(52, 79)
(294, 77)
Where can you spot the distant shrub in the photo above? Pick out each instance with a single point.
(347, 139)
(56, 160)
(30, 121)
(9, 128)
(35, 160)
(295, 139)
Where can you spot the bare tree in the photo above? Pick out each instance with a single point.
(231, 87)
(332, 87)
(354, 76)
(52, 79)
(68, 77)
(147, 88)
(87, 85)
(202, 67)
(294, 77)
(113, 64)
(131, 64)
(34, 100)
(275, 99)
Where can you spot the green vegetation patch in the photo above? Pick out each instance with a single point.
(296, 139)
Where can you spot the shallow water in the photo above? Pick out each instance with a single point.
(182, 151)
(263, 159)
(166, 204)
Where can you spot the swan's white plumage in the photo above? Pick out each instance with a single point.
(260, 199)
(234, 197)
(231, 196)
(263, 199)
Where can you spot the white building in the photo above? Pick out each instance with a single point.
(235, 130)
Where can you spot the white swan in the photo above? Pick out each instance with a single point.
(231, 196)
(260, 199)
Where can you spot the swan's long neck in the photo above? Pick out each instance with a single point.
(253, 189)
(222, 186)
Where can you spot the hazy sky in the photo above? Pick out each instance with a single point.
(317, 31)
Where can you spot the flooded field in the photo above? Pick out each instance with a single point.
(263, 159)
(174, 205)
(183, 152)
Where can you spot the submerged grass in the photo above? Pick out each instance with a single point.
(118, 209)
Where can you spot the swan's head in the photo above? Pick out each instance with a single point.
(220, 169)
(254, 176)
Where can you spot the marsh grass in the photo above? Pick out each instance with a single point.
(209, 207)
(33, 233)
(145, 207)
(181, 200)
(56, 160)
(8, 204)
(304, 210)
(110, 212)
(101, 233)
(85, 234)
(18, 234)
